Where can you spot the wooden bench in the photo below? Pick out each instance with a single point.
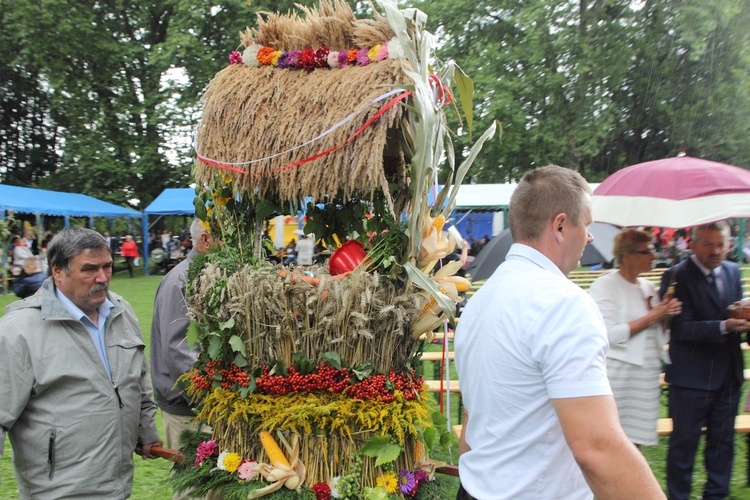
(663, 428)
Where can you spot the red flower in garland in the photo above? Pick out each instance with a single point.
(321, 57)
(306, 59)
(322, 491)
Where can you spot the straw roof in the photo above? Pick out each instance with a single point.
(255, 113)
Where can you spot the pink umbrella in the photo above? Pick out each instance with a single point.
(674, 192)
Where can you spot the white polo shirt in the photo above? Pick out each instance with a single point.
(527, 336)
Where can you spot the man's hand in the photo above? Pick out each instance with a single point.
(736, 325)
(144, 450)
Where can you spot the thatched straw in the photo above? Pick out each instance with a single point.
(332, 25)
(253, 113)
(361, 317)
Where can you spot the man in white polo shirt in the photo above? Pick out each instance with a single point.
(540, 420)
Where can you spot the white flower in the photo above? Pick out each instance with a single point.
(250, 55)
(334, 485)
(395, 50)
(333, 59)
(220, 460)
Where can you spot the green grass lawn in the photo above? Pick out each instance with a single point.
(149, 481)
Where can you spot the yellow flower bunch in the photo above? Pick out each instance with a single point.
(388, 482)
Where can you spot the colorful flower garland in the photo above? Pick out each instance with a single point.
(257, 55)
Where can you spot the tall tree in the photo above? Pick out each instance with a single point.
(599, 84)
(123, 82)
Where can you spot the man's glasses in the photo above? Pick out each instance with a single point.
(643, 252)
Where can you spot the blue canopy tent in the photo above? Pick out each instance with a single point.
(43, 202)
(171, 201)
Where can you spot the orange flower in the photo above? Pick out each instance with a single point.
(265, 56)
(352, 55)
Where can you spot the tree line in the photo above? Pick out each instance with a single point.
(101, 97)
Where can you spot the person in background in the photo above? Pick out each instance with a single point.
(305, 250)
(706, 374)
(171, 356)
(635, 328)
(21, 251)
(129, 250)
(540, 419)
(29, 279)
(74, 385)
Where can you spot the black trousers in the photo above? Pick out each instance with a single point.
(691, 409)
(462, 494)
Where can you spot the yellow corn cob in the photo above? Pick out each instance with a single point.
(275, 455)
(438, 223)
(418, 451)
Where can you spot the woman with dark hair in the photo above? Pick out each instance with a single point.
(635, 328)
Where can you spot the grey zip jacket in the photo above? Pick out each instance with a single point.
(72, 429)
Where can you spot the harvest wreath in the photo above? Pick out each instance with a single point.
(308, 376)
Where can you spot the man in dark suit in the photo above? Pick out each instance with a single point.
(706, 372)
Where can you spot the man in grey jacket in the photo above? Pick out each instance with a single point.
(74, 385)
(171, 356)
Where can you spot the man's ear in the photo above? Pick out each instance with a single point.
(558, 225)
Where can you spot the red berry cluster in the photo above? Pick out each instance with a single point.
(408, 383)
(200, 383)
(381, 387)
(324, 379)
(233, 375)
(211, 368)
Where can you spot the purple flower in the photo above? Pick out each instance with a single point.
(343, 58)
(363, 59)
(406, 482)
(285, 60)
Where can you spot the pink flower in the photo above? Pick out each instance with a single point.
(383, 52)
(235, 57)
(343, 58)
(247, 470)
(205, 449)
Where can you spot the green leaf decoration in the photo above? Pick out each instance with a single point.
(237, 344)
(430, 435)
(302, 364)
(362, 371)
(200, 208)
(465, 87)
(214, 347)
(279, 368)
(333, 359)
(227, 325)
(240, 361)
(193, 335)
(381, 448)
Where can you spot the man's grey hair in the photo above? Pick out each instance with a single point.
(722, 225)
(196, 230)
(71, 242)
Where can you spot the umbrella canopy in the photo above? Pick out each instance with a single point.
(493, 254)
(674, 192)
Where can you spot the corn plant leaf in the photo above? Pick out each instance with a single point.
(421, 280)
